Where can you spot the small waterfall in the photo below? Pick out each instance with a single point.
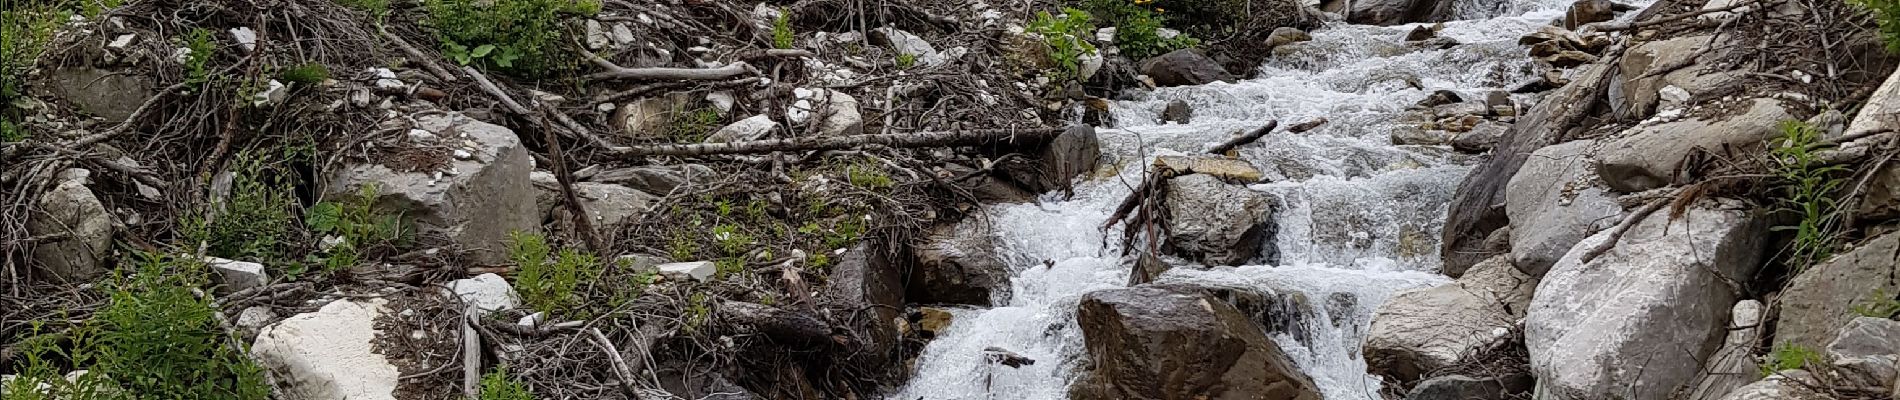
(1359, 218)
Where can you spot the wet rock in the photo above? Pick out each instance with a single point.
(986, 187)
(112, 95)
(700, 271)
(1460, 109)
(649, 117)
(839, 111)
(1413, 136)
(1588, 11)
(1227, 169)
(1553, 202)
(1422, 32)
(1422, 330)
(1498, 98)
(485, 293)
(1437, 43)
(1480, 138)
(1217, 223)
(1277, 312)
(1652, 155)
(1823, 297)
(71, 209)
(1460, 123)
(1184, 67)
(237, 275)
(903, 42)
(1394, 12)
(1659, 295)
(957, 264)
(1177, 111)
(476, 204)
(1286, 35)
(754, 128)
(933, 320)
(1439, 98)
(329, 354)
(1072, 154)
(1866, 352)
(1462, 387)
(655, 179)
(1734, 364)
(869, 282)
(1156, 343)
(1570, 59)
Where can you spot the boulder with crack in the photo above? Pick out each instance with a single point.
(1651, 156)
(1217, 223)
(1553, 202)
(81, 226)
(476, 202)
(1422, 330)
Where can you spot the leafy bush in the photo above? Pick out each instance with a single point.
(1808, 184)
(357, 224)
(868, 176)
(1887, 15)
(198, 62)
(906, 60)
(693, 126)
(1787, 356)
(1066, 37)
(782, 35)
(154, 339)
(29, 25)
(497, 385)
(306, 73)
(524, 37)
(545, 284)
(1138, 27)
(257, 222)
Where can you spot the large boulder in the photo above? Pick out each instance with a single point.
(957, 263)
(1866, 352)
(1553, 201)
(1684, 62)
(1462, 387)
(1639, 319)
(1394, 12)
(70, 209)
(1734, 365)
(476, 202)
(1155, 343)
(113, 95)
(837, 112)
(1822, 298)
(1217, 223)
(868, 282)
(329, 354)
(1651, 156)
(1071, 154)
(1418, 331)
(1184, 67)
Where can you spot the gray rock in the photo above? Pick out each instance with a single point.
(485, 293)
(870, 283)
(655, 179)
(1588, 11)
(1155, 343)
(1881, 108)
(255, 317)
(609, 207)
(1177, 111)
(1481, 138)
(237, 275)
(697, 270)
(1394, 12)
(648, 117)
(1650, 156)
(1498, 98)
(903, 42)
(1416, 136)
(1418, 331)
(1184, 67)
(112, 95)
(1439, 98)
(1786, 385)
(957, 264)
(477, 204)
(1866, 352)
(1071, 154)
(1734, 365)
(1217, 223)
(1286, 35)
(986, 187)
(1421, 33)
(838, 110)
(1641, 77)
(71, 209)
(754, 128)
(1553, 202)
(330, 353)
(1462, 387)
(1822, 298)
(1658, 296)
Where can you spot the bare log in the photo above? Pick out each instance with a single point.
(615, 71)
(1243, 140)
(786, 326)
(897, 140)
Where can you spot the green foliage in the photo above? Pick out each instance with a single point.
(867, 176)
(10, 132)
(309, 73)
(1788, 356)
(728, 266)
(731, 239)
(782, 35)
(1808, 185)
(906, 60)
(697, 310)
(549, 285)
(1880, 305)
(1138, 27)
(258, 220)
(198, 62)
(497, 385)
(1887, 15)
(29, 24)
(154, 339)
(524, 37)
(681, 247)
(693, 126)
(358, 224)
(1066, 37)
(376, 8)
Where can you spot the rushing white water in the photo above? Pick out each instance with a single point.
(1359, 218)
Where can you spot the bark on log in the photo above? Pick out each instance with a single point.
(785, 326)
(896, 140)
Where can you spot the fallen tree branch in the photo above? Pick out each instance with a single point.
(970, 137)
(427, 62)
(615, 71)
(627, 378)
(786, 326)
(1613, 27)
(1243, 140)
(670, 86)
(1135, 198)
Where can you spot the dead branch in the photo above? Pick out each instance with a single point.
(1243, 140)
(582, 221)
(424, 59)
(471, 361)
(1147, 185)
(615, 71)
(669, 86)
(1624, 227)
(627, 378)
(902, 140)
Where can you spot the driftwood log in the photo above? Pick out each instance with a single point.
(783, 325)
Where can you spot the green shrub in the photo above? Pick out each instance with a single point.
(1138, 27)
(906, 60)
(198, 62)
(10, 132)
(782, 35)
(868, 176)
(359, 226)
(1787, 356)
(549, 284)
(1808, 185)
(523, 37)
(376, 8)
(693, 126)
(1067, 38)
(309, 73)
(257, 221)
(497, 385)
(29, 24)
(1887, 15)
